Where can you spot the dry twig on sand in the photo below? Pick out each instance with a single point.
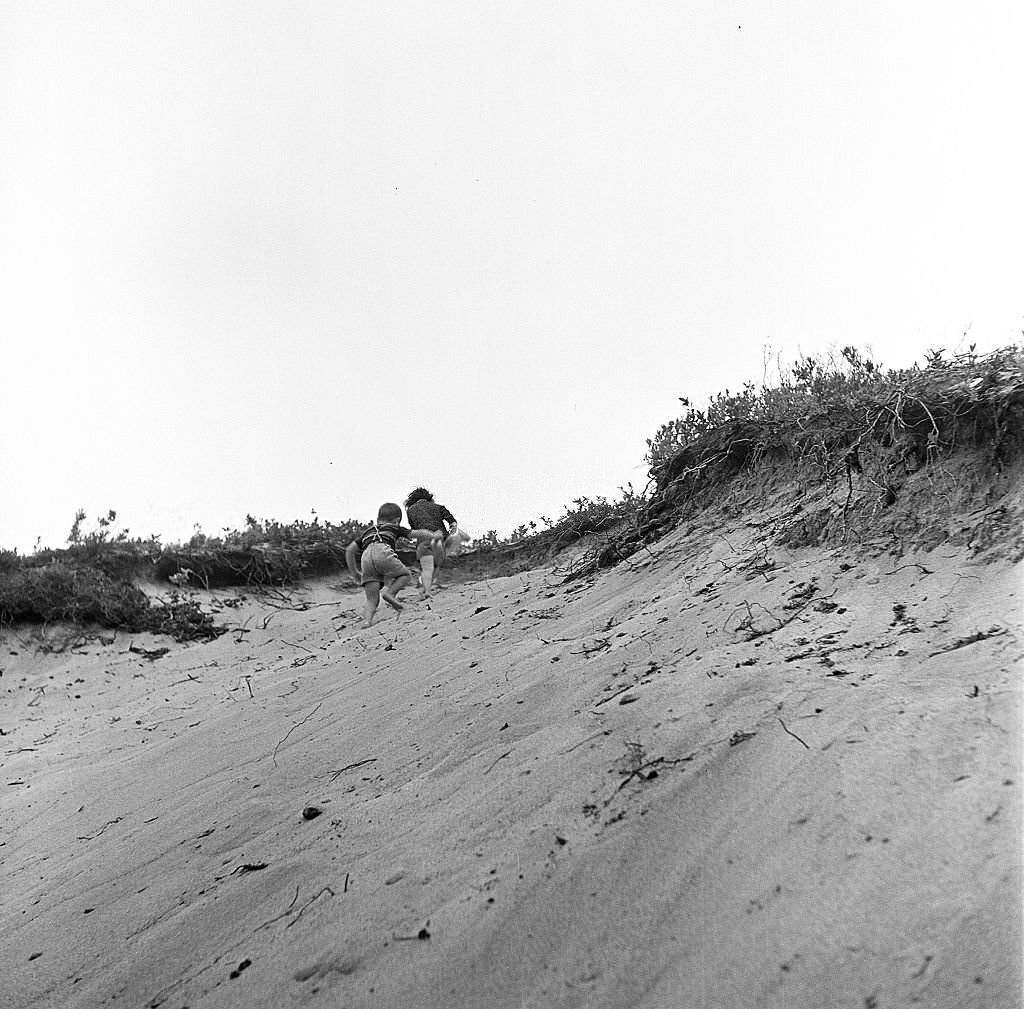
(495, 762)
(350, 767)
(292, 729)
(312, 900)
(794, 735)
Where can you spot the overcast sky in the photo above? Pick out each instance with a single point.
(273, 258)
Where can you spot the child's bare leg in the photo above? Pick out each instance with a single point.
(427, 576)
(437, 560)
(373, 594)
(390, 593)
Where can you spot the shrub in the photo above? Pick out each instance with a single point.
(266, 552)
(72, 593)
(813, 388)
(529, 543)
(68, 592)
(828, 409)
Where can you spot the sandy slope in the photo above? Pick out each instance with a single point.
(716, 776)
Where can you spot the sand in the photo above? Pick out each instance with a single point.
(721, 774)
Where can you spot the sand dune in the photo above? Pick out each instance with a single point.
(721, 774)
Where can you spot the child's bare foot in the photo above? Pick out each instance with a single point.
(365, 624)
(391, 601)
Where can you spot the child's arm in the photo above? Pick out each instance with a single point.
(350, 559)
(447, 516)
(425, 535)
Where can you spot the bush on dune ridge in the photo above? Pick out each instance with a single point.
(825, 406)
(92, 582)
(72, 593)
(828, 414)
(586, 516)
(266, 552)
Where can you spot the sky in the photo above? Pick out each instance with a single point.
(292, 258)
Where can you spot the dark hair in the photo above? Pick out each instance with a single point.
(389, 512)
(419, 494)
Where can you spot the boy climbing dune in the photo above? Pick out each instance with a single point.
(380, 572)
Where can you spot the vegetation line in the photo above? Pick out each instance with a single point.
(853, 435)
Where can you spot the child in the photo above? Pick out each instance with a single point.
(381, 573)
(428, 514)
